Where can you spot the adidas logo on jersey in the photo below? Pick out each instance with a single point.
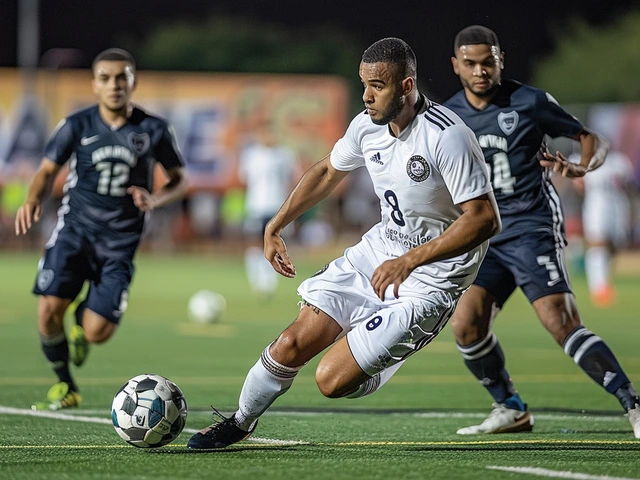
(376, 158)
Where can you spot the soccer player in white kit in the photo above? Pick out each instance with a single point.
(393, 292)
(606, 221)
(268, 170)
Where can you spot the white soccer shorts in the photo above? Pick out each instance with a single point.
(379, 333)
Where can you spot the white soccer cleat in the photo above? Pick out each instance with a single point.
(508, 420)
(634, 419)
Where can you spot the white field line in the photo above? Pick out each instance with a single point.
(543, 472)
(107, 421)
(541, 416)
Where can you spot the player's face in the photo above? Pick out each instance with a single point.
(113, 83)
(479, 68)
(383, 96)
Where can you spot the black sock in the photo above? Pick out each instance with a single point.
(594, 357)
(56, 350)
(80, 311)
(485, 360)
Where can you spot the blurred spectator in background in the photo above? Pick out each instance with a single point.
(606, 221)
(268, 170)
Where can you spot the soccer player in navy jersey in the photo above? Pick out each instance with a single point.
(510, 121)
(111, 148)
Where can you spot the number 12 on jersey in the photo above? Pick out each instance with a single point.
(113, 178)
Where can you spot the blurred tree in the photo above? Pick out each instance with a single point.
(226, 44)
(594, 64)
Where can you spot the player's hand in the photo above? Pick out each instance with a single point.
(26, 215)
(275, 251)
(141, 198)
(561, 165)
(392, 272)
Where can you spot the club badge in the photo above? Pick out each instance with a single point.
(139, 143)
(418, 169)
(45, 277)
(508, 122)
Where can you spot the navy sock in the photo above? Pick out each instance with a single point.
(56, 349)
(515, 402)
(485, 360)
(591, 354)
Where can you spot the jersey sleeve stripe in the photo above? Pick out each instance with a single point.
(439, 125)
(441, 115)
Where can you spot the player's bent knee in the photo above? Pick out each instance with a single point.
(51, 314)
(101, 333)
(328, 382)
(287, 350)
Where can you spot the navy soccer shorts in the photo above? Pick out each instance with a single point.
(71, 258)
(534, 262)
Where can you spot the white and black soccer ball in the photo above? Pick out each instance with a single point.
(149, 411)
(206, 306)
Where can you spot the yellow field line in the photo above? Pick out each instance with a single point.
(368, 444)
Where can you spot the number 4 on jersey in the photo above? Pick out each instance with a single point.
(501, 176)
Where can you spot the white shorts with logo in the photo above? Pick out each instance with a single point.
(379, 333)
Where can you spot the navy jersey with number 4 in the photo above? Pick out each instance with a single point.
(104, 162)
(511, 131)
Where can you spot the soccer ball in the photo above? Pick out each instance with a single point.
(149, 411)
(206, 307)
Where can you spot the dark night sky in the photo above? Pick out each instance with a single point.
(527, 29)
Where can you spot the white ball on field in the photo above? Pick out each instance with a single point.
(149, 411)
(206, 306)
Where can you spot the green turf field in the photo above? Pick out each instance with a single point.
(406, 430)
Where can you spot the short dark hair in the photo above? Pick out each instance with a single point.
(475, 35)
(395, 51)
(115, 55)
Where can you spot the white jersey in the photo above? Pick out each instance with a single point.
(606, 209)
(420, 178)
(268, 174)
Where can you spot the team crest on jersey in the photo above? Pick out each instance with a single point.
(418, 169)
(139, 143)
(45, 277)
(508, 122)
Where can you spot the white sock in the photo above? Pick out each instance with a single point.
(597, 261)
(374, 383)
(265, 382)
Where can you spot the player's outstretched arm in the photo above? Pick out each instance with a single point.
(479, 222)
(594, 148)
(173, 190)
(316, 184)
(30, 211)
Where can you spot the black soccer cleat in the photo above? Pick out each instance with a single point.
(220, 434)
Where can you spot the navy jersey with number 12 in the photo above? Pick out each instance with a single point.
(511, 131)
(104, 162)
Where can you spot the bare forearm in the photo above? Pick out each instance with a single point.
(174, 190)
(594, 148)
(315, 185)
(466, 233)
(38, 186)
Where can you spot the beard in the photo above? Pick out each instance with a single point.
(487, 92)
(392, 111)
